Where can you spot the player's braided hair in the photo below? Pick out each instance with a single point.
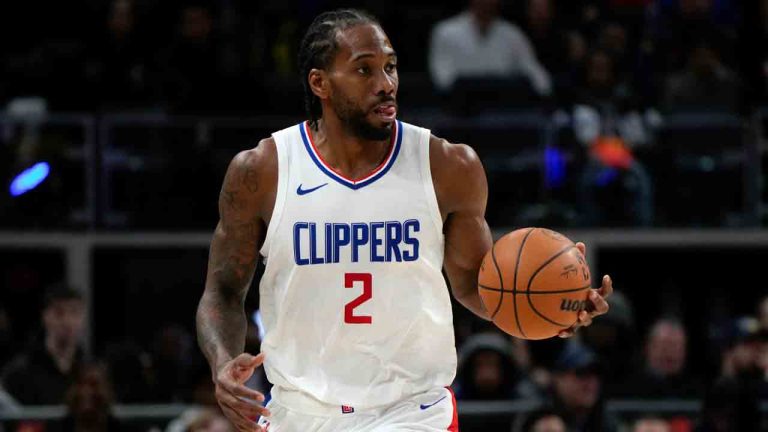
(319, 46)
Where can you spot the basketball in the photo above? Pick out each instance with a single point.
(534, 282)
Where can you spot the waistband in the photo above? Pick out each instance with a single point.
(306, 404)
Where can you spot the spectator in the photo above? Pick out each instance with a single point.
(194, 81)
(486, 371)
(568, 77)
(606, 120)
(542, 420)
(478, 43)
(546, 35)
(614, 339)
(705, 84)
(42, 375)
(740, 355)
(730, 406)
(731, 403)
(584, 16)
(89, 403)
(676, 26)
(613, 39)
(124, 77)
(664, 374)
(577, 390)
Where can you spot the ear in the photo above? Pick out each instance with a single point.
(318, 82)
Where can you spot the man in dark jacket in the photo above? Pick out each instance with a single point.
(42, 374)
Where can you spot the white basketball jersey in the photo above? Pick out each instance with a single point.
(353, 301)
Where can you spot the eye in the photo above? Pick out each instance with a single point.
(363, 70)
(391, 67)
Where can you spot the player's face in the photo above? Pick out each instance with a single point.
(364, 82)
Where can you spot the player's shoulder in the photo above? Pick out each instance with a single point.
(261, 157)
(452, 156)
(257, 168)
(457, 174)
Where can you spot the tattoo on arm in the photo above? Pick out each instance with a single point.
(221, 320)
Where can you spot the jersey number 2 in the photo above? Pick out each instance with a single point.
(349, 308)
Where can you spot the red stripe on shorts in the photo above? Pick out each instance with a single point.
(454, 426)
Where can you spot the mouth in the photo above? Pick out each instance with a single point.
(386, 111)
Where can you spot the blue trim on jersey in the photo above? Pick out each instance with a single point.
(342, 180)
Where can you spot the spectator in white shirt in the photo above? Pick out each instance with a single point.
(479, 43)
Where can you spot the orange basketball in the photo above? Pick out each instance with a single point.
(534, 282)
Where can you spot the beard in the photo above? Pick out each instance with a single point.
(355, 120)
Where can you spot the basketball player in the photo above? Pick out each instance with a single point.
(355, 214)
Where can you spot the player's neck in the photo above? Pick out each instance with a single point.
(346, 153)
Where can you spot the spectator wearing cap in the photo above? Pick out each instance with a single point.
(664, 374)
(741, 353)
(577, 390)
(731, 403)
(42, 374)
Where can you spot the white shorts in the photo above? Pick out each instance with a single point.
(432, 411)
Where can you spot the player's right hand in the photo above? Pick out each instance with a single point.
(240, 404)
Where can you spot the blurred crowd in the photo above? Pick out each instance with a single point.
(610, 68)
(608, 72)
(569, 381)
(615, 56)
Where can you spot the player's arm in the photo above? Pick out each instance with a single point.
(221, 320)
(462, 192)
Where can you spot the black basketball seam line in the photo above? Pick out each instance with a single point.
(501, 281)
(535, 292)
(517, 268)
(530, 281)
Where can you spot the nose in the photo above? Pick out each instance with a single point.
(385, 83)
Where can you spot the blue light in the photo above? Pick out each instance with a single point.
(554, 167)
(30, 178)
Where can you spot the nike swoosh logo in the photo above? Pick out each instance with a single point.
(422, 406)
(301, 191)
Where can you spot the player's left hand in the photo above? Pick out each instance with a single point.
(598, 304)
